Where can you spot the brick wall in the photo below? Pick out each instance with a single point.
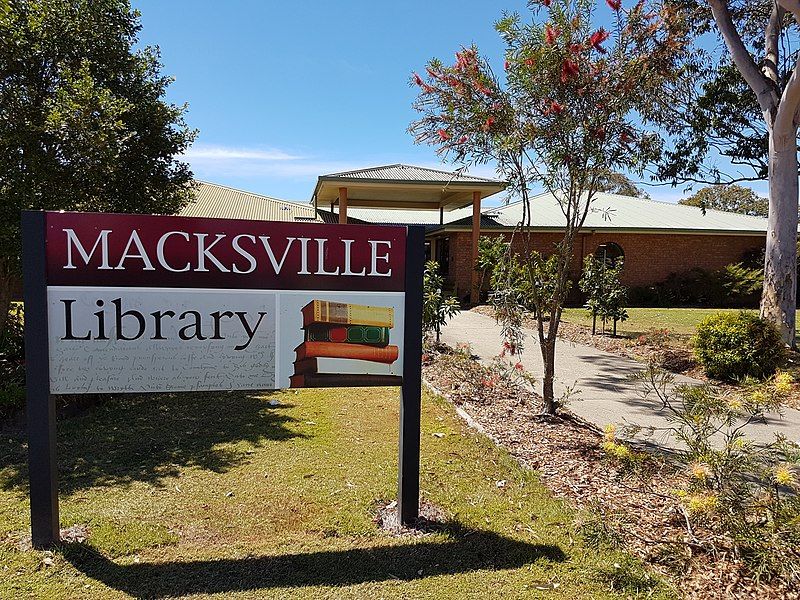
(649, 258)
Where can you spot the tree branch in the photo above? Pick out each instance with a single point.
(761, 85)
(771, 41)
(790, 101)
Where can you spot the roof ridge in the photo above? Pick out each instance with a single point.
(447, 172)
(403, 165)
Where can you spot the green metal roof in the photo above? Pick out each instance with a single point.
(611, 211)
(608, 212)
(222, 202)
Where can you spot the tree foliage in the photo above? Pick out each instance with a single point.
(613, 182)
(574, 103)
(84, 124)
(491, 251)
(720, 116)
(730, 198)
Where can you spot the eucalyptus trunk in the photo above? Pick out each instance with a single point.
(778, 299)
(779, 100)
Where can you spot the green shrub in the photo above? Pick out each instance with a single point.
(736, 345)
(734, 286)
(437, 308)
(12, 365)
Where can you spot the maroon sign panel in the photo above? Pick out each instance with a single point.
(92, 249)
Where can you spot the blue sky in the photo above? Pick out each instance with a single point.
(284, 91)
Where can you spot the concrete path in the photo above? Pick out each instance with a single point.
(606, 396)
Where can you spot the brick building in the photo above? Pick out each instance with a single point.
(656, 239)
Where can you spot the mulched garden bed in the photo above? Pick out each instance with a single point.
(616, 504)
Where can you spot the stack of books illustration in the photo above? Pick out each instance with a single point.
(346, 345)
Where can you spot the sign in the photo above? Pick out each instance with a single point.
(118, 303)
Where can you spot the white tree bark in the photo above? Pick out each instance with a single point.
(778, 299)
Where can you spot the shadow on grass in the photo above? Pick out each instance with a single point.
(149, 437)
(466, 551)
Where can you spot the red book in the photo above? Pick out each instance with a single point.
(385, 354)
(310, 380)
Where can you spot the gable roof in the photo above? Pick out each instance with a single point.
(222, 202)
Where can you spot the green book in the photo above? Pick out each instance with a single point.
(351, 334)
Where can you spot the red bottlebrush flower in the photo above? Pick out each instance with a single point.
(624, 137)
(519, 367)
(530, 62)
(505, 65)
(568, 69)
(443, 135)
(547, 3)
(556, 108)
(463, 139)
(614, 4)
(488, 124)
(575, 48)
(432, 73)
(465, 59)
(551, 34)
(597, 38)
(418, 79)
(483, 89)
(600, 133)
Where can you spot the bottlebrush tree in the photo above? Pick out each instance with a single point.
(575, 100)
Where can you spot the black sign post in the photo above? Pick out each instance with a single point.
(41, 415)
(41, 405)
(411, 391)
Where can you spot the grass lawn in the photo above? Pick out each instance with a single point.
(679, 321)
(221, 494)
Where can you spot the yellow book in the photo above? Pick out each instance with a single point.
(340, 313)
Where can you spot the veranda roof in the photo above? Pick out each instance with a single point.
(403, 186)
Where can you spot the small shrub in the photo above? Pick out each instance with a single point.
(437, 308)
(732, 346)
(12, 365)
(606, 296)
(737, 496)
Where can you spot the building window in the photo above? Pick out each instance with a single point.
(610, 253)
